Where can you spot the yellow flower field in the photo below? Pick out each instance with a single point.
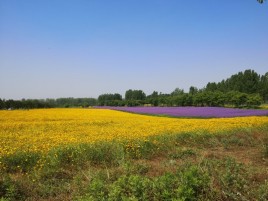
(40, 130)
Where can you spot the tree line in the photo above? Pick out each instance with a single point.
(248, 82)
(244, 89)
(47, 103)
(201, 98)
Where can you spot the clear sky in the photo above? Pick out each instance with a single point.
(83, 48)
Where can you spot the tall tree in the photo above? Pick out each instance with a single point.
(264, 87)
(177, 92)
(211, 86)
(109, 99)
(135, 95)
(193, 90)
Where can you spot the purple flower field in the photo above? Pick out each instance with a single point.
(193, 111)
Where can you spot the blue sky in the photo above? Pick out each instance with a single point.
(83, 48)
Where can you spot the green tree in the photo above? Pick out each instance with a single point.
(246, 82)
(153, 99)
(177, 92)
(2, 104)
(264, 87)
(199, 99)
(211, 86)
(193, 90)
(109, 99)
(254, 100)
(135, 95)
(237, 99)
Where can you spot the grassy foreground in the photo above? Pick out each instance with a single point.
(229, 166)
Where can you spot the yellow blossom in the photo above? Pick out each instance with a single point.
(42, 129)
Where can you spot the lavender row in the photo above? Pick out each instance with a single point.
(193, 111)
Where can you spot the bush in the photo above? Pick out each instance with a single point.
(20, 162)
(230, 179)
(133, 186)
(193, 184)
(142, 149)
(9, 189)
(74, 156)
(188, 184)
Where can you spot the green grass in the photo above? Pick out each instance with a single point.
(189, 166)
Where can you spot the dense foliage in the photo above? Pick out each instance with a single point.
(246, 82)
(109, 99)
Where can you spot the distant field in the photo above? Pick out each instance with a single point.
(40, 130)
(204, 112)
